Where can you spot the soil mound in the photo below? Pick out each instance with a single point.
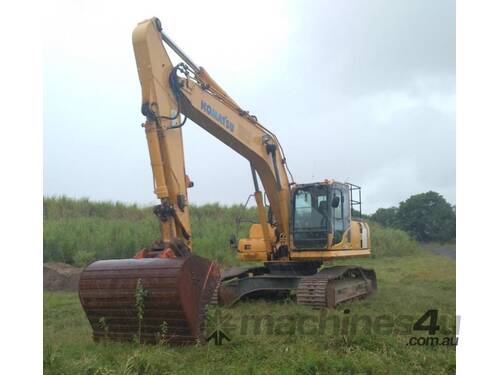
(60, 276)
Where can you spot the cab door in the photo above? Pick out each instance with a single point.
(341, 211)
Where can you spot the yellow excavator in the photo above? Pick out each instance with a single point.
(164, 289)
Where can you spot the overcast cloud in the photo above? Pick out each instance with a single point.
(359, 91)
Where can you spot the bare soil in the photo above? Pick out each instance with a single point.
(60, 276)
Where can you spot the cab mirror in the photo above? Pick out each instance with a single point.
(335, 201)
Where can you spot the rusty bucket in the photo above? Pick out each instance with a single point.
(152, 300)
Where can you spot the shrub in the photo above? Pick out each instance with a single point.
(391, 242)
(82, 258)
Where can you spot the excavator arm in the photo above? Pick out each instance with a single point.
(170, 92)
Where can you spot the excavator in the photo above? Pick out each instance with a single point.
(165, 288)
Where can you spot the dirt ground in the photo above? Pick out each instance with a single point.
(446, 250)
(60, 276)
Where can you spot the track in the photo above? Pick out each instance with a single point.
(327, 288)
(335, 285)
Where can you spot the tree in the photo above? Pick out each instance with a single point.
(388, 217)
(428, 217)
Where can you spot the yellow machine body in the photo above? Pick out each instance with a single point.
(352, 245)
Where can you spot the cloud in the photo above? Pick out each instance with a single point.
(371, 45)
(361, 91)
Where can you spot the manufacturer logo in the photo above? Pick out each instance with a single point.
(220, 118)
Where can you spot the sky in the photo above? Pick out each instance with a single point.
(360, 91)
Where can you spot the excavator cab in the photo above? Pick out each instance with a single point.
(325, 223)
(321, 214)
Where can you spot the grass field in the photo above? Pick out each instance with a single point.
(79, 231)
(408, 286)
(266, 337)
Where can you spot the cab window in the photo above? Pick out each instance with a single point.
(341, 212)
(311, 216)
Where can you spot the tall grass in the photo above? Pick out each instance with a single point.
(77, 231)
(391, 242)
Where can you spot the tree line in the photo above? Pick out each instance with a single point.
(427, 217)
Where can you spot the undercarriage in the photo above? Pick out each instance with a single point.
(305, 281)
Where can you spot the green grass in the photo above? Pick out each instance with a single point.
(411, 281)
(391, 242)
(80, 231)
(408, 286)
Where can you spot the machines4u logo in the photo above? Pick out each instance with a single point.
(218, 324)
(221, 119)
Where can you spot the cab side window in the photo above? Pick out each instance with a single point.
(338, 222)
(340, 213)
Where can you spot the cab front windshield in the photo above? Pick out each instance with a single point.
(311, 209)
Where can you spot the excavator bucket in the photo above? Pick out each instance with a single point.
(152, 299)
